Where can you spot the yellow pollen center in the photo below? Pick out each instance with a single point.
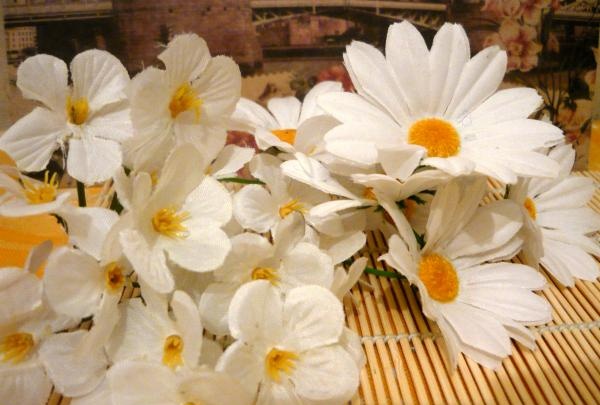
(265, 273)
(77, 110)
(16, 347)
(439, 277)
(45, 192)
(530, 207)
(168, 222)
(439, 137)
(278, 361)
(154, 178)
(286, 135)
(369, 194)
(172, 351)
(185, 98)
(114, 278)
(291, 206)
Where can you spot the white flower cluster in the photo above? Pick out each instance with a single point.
(264, 266)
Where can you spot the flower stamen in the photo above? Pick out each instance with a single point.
(40, 193)
(185, 98)
(265, 273)
(439, 137)
(439, 277)
(172, 351)
(167, 221)
(530, 207)
(77, 111)
(16, 347)
(291, 206)
(278, 361)
(114, 277)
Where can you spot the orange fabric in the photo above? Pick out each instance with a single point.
(594, 152)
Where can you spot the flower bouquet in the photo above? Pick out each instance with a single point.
(200, 286)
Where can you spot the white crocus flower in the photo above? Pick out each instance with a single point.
(32, 359)
(438, 108)
(261, 208)
(289, 125)
(289, 350)
(180, 221)
(559, 226)
(286, 264)
(478, 301)
(21, 291)
(148, 332)
(91, 117)
(188, 102)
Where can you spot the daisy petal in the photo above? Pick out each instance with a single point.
(310, 108)
(286, 111)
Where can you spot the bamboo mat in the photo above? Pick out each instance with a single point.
(405, 353)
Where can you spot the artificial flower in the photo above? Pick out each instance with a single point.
(187, 102)
(289, 125)
(478, 301)
(437, 108)
(287, 263)
(520, 41)
(559, 226)
(88, 120)
(289, 350)
(180, 221)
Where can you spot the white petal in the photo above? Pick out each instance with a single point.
(210, 200)
(342, 248)
(242, 363)
(211, 352)
(100, 396)
(255, 209)
(247, 251)
(188, 322)
(310, 133)
(26, 384)
(506, 105)
(306, 264)
(231, 159)
(20, 294)
(399, 257)
(454, 165)
(400, 161)
(213, 388)
(112, 123)
(150, 264)
(31, 140)
(44, 78)
(22, 208)
(313, 318)
(73, 375)
(141, 382)
(37, 256)
(286, 111)
(185, 58)
(479, 79)
(219, 88)
(74, 283)
(358, 142)
(572, 192)
(99, 77)
(266, 167)
(351, 108)
(256, 312)
(566, 262)
(582, 220)
(310, 108)
(253, 114)
(92, 160)
(89, 227)
(408, 57)
(183, 172)
(105, 320)
(214, 306)
(317, 376)
(203, 250)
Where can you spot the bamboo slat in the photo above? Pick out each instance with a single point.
(406, 356)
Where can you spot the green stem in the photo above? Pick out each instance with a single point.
(81, 194)
(383, 273)
(240, 180)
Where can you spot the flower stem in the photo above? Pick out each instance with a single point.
(240, 180)
(81, 194)
(383, 273)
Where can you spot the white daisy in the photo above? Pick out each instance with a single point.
(437, 108)
(180, 221)
(289, 125)
(261, 208)
(559, 227)
(189, 101)
(478, 305)
(287, 263)
(91, 117)
(289, 350)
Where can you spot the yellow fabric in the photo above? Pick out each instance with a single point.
(594, 152)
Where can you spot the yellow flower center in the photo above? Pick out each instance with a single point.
(77, 110)
(114, 278)
(291, 206)
(530, 207)
(409, 208)
(172, 350)
(278, 361)
(45, 192)
(154, 178)
(439, 137)
(265, 273)
(16, 347)
(286, 135)
(168, 222)
(369, 194)
(185, 98)
(439, 277)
